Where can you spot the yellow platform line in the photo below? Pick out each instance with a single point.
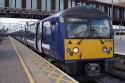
(60, 77)
(71, 81)
(44, 69)
(31, 80)
(51, 72)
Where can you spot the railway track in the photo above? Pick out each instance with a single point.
(118, 68)
(108, 78)
(117, 72)
(105, 77)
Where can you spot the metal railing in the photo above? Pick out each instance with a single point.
(26, 11)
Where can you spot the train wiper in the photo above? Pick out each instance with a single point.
(101, 41)
(79, 41)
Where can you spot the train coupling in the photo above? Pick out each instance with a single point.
(92, 69)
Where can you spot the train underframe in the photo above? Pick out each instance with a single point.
(90, 68)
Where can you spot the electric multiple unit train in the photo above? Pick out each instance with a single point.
(79, 37)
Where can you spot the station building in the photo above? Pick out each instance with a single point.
(114, 11)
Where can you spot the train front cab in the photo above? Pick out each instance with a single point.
(88, 44)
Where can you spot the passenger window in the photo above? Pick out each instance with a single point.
(46, 28)
(117, 33)
(122, 33)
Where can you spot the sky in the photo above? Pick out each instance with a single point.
(15, 20)
(14, 23)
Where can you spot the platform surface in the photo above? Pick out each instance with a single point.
(19, 64)
(11, 70)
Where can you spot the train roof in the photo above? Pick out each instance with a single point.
(86, 10)
(80, 10)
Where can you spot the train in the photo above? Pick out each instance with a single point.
(80, 38)
(118, 30)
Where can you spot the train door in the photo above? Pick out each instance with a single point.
(49, 38)
(54, 36)
(46, 32)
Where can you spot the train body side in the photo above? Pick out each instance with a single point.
(52, 38)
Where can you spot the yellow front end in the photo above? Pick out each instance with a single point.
(77, 49)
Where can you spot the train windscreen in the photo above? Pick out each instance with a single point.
(101, 28)
(87, 28)
(78, 28)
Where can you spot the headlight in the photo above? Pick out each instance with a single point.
(75, 50)
(68, 50)
(104, 49)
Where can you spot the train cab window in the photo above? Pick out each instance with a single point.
(77, 28)
(101, 28)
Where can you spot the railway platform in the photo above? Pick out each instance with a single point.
(119, 54)
(119, 42)
(19, 64)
